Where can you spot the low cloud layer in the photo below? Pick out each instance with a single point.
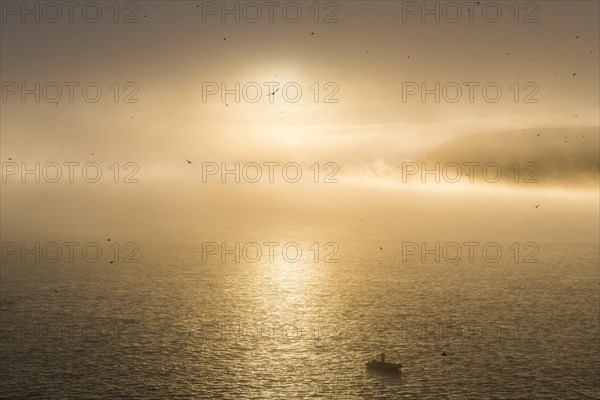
(566, 157)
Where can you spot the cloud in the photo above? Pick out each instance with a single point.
(561, 158)
(566, 157)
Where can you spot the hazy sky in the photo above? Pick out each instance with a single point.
(368, 58)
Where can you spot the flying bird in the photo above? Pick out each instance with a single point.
(271, 94)
(188, 161)
(537, 205)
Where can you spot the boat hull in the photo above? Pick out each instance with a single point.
(383, 366)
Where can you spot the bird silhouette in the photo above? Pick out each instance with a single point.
(188, 161)
(272, 94)
(537, 205)
(380, 248)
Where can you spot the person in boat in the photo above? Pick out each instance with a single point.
(382, 357)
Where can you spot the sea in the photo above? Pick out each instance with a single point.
(297, 316)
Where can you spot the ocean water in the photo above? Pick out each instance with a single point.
(183, 323)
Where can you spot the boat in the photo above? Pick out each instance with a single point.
(383, 366)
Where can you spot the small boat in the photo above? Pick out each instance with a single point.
(383, 366)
